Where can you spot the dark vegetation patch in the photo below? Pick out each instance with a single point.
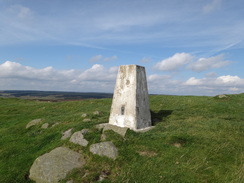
(53, 96)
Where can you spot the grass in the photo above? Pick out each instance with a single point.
(196, 139)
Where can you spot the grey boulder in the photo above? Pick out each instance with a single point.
(66, 134)
(78, 138)
(107, 149)
(54, 166)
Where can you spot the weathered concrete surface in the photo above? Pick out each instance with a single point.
(104, 149)
(106, 126)
(130, 107)
(54, 166)
(142, 130)
(120, 130)
(33, 123)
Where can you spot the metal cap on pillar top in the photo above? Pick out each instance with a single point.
(130, 107)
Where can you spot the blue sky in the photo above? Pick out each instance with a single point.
(188, 47)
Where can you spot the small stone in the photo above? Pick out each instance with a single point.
(97, 112)
(84, 115)
(177, 144)
(78, 138)
(33, 123)
(107, 149)
(86, 120)
(45, 125)
(67, 134)
(55, 165)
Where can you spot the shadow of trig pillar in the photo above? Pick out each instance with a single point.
(130, 107)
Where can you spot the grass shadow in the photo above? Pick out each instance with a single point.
(159, 116)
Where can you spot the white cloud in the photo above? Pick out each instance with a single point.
(226, 80)
(175, 62)
(100, 58)
(163, 84)
(16, 76)
(229, 80)
(98, 73)
(203, 64)
(15, 70)
(180, 60)
(156, 77)
(194, 81)
(212, 86)
(98, 78)
(234, 89)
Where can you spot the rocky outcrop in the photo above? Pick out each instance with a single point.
(54, 166)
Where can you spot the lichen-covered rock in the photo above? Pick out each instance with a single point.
(45, 125)
(54, 166)
(78, 138)
(33, 123)
(66, 134)
(104, 149)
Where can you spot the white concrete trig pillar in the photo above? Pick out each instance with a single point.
(130, 107)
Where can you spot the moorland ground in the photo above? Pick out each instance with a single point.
(195, 139)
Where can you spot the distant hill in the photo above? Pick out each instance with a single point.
(52, 95)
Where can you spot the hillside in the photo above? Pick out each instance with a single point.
(52, 96)
(195, 139)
